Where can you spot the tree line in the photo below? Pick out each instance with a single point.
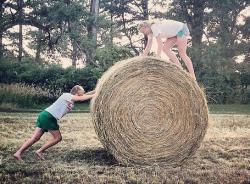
(88, 30)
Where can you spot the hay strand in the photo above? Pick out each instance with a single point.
(148, 111)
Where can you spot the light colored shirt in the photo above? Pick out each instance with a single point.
(61, 106)
(167, 28)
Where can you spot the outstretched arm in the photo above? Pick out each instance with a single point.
(82, 98)
(90, 92)
(149, 45)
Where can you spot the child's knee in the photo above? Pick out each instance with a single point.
(58, 139)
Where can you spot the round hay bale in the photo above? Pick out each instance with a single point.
(148, 111)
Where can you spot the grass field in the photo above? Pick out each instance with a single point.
(84, 107)
(229, 108)
(13, 108)
(224, 156)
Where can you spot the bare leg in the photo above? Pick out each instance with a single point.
(170, 42)
(35, 137)
(182, 47)
(57, 137)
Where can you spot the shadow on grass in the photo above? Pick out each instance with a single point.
(94, 156)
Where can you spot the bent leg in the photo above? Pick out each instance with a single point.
(170, 42)
(35, 137)
(182, 48)
(57, 137)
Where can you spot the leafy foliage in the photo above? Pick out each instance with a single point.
(53, 77)
(219, 30)
(23, 95)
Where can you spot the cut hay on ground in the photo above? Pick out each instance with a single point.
(148, 111)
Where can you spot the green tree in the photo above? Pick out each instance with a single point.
(125, 16)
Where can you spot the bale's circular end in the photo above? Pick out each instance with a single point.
(149, 111)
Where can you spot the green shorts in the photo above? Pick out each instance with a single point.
(47, 122)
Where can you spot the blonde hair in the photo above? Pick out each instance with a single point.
(145, 24)
(76, 89)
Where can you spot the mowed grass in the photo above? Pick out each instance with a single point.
(85, 107)
(229, 108)
(9, 107)
(224, 156)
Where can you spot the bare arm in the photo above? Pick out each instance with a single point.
(149, 45)
(82, 98)
(159, 46)
(90, 92)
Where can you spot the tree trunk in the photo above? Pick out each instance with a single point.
(111, 25)
(1, 45)
(38, 47)
(1, 31)
(144, 4)
(20, 37)
(197, 27)
(197, 32)
(94, 11)
(92, 33)
(74, 53)
(20, 43)
(195, 21)
(38, 52)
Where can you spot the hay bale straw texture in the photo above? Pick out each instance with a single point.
(148, 111)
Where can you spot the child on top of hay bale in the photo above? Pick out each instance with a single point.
(173, 32)
(47, 120)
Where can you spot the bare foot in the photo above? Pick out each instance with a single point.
(17, 157)
(39, 154)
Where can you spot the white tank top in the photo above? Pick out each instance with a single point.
(61, 106)
(167, 28)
